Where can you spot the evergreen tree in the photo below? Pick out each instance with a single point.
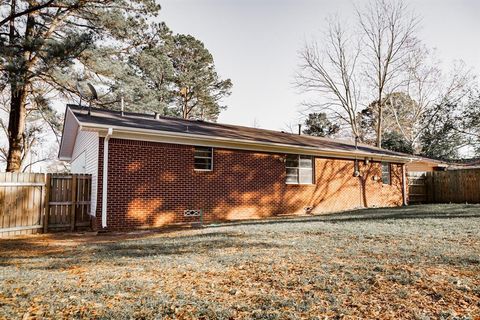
(41, 40)
(47, 48)
(144, 76)
(399, 120)
(396, 142)
(172, 74)
(471, 122)
(441, 138)
(319, 125)
(197, 88)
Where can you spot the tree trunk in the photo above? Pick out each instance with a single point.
(16, 128)
(381, 82)
(379, 125)
(18, 110)
(185, 105)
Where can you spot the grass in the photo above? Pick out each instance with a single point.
(418, 262)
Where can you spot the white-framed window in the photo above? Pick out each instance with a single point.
(203, 158)
(386, 173)
(299, 169)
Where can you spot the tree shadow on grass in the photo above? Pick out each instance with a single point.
(435, 211)
(72, 248)
(410, 212)
(54, 243)
(180, 248)
(90, 254)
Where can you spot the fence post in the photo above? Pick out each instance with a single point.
(404, 185)
(74, 203)
(432, 185)
(46, 209)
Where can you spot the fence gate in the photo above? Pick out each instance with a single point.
(68, 203)
(35, 202)
(417, 187)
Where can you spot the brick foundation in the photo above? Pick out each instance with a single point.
(151, 184)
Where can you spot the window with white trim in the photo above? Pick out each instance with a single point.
(203, 158)
(299, 169)
(386, 173)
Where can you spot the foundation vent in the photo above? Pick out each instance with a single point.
(192, 213)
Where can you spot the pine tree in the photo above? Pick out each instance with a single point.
(320, 126)
(197, 88)
(441, 138)
(40, 42)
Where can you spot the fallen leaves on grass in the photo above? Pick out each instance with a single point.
(350, 270)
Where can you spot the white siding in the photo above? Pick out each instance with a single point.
(79, 164)
(85, 160)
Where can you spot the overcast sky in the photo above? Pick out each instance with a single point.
(255, 43)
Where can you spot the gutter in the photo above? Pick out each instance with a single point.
(105, 177)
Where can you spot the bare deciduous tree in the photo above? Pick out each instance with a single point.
(389, 28)
(332, 72)
(426, 85)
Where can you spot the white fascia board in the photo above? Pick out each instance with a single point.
(68, 113)
(229, 143)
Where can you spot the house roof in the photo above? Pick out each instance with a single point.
(433, 162)
(472, 163)
(102, 119)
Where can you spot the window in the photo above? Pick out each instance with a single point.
(299, 169)
(386, 174)
(203, 158)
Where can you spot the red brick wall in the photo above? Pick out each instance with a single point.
(151, 184)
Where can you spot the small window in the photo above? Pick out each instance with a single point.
(386, 174)
(203, 158)
(299, 169)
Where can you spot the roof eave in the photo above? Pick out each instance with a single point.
(63, 154)
(195, 139)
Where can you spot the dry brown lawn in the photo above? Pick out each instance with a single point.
(419, 262)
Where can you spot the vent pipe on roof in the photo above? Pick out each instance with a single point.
(299, 129)
(157, 116)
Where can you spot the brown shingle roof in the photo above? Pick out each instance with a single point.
(131, 120)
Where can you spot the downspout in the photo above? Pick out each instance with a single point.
(105, 178)
(404, 184)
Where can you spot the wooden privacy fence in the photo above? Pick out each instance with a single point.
(35, 202)
(22, 199)
(453, 186)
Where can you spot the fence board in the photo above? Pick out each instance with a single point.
(20, 210)
(30, 202)
(454, 186)
(68, 200)
(417, 187)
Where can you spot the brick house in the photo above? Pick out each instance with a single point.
(161, 171)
